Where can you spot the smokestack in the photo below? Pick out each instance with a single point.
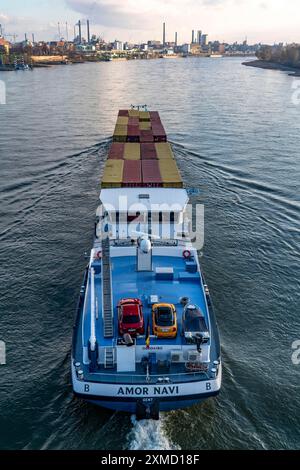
(199, 34)
(79, 27)
(33, 41)
(88, 31)
(164, 34)
(193, 36)
(176, 37)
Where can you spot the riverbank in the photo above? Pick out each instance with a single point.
(295, 72)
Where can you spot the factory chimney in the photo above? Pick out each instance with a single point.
(79, 27)
(164, 34)
(193, 36)
(199, 35)
(176, 38)
(88, 31)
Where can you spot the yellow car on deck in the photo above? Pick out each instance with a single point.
(164, 320)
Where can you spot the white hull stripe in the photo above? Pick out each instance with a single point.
(146, 391)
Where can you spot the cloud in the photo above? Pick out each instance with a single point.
(19, 25)
(138, 15)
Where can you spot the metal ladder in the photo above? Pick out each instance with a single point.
(108, 323)
(109, 359)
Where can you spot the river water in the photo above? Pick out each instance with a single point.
(236, 136)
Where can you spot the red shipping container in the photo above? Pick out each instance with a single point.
(133, 134)
(146, 136)
(154, 116)
(158, 128)
(133, 121)
(133, 130)
(116, 151)
(148, 151)
(123, 113)
(132, 173)
(159, 133)
(151, 173)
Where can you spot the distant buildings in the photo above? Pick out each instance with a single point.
(118, 46)
(95, 48)
(4, 46)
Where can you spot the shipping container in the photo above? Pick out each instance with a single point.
(164, 150)
(133, 113)
(154, 116)
(132, 151)
(159, 134)
(132, 173)
(148, 151)
(133, 134)
(145, 125)
(156, 127)
(144, 116)
(122, 120)
(133, 121)
(113, 174)
(120, 133)
(151, 174)
(116, 151)
(123, 112)
(146, 136)
(169, 173)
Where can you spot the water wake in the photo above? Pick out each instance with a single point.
(149, 435)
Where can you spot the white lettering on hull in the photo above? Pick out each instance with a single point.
(144, 391)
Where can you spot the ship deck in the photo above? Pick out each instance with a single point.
(128, 283)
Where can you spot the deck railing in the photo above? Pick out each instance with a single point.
(162, 379)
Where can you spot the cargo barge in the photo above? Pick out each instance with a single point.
(145, 337)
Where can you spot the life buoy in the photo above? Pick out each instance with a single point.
(186, 254)
(99, 255)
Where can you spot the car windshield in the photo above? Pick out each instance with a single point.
(164, 316)
(131, 319)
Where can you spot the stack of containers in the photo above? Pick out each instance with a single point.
(159, 134)
(140, 155)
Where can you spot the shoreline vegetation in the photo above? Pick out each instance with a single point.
(278, 57)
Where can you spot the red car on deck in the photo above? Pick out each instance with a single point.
(130, 315)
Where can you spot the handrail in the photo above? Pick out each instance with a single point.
(152, 379)
(93, 329)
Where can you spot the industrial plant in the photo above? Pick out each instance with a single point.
(88, 47)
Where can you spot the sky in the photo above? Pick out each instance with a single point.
(265, 21)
